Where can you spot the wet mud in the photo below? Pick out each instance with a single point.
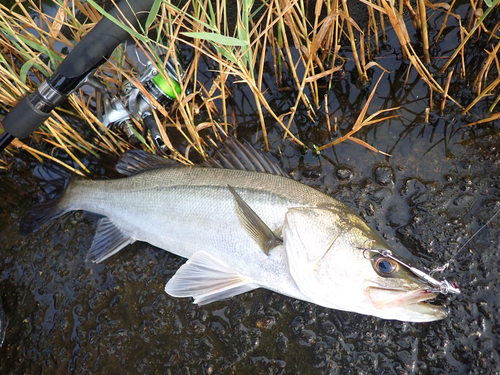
(440, 185)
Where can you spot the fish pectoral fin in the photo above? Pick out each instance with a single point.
(207, 280)
(108, 240)
(254, 225)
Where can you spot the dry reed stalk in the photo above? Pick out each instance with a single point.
(187, 105)
(404, 40)
(491, 118)
(264, 49)
(349, 22)
(493, 33)
(328, 36)
(293, 110)
(66, 138)
(485, 92)
(327, 115)
(485, 67)
(445, 21)
(445, 93)
(321, 37)
(459, 49)
(244, 76)
(423, 30)
(318, 40)
(414, 15)
(382, 23)
(258, 91)
(473, 16)
(4, 165)
(282, 17)
(39, 155)
(185, 109)
(373, 26)
(361, 122)
(312, 50)
(362, 53)
(492, 108)
(257, 45)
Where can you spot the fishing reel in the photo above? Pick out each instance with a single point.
(117, 112)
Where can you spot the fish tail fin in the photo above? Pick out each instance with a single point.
(39, 215)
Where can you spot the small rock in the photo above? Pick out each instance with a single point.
(384, 175)
(344, 174)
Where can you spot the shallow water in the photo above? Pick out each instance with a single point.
(440, 185)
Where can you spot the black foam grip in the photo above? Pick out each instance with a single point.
(23, 119)
(100, 42)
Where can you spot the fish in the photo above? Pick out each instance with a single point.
(243, 223)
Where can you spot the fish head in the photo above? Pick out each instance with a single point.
(328, 256)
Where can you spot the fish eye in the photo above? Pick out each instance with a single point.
(386, 266)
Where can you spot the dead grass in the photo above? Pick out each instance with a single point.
(28, 56)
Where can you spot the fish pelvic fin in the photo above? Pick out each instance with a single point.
(254, 225)
(207, 279)
(41, 214)
(108, 240)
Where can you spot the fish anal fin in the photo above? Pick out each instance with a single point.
(108, 240)
(254, 225)
(207, 280)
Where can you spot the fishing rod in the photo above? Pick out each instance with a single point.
(75, 70)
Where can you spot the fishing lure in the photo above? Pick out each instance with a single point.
(444, 286)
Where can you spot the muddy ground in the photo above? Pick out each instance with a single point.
(440, 185)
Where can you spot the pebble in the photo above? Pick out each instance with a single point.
(344, 174)
(384, 175)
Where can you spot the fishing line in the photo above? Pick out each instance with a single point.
(447, 264)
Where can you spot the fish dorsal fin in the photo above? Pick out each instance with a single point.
(108, 240)
(232, 155)
(136, 161)
(207, 280)
(254, 225)
(235, 155)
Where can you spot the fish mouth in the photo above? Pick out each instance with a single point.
(413, 303)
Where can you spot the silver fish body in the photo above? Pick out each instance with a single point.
(185, 210)
(319, 252)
